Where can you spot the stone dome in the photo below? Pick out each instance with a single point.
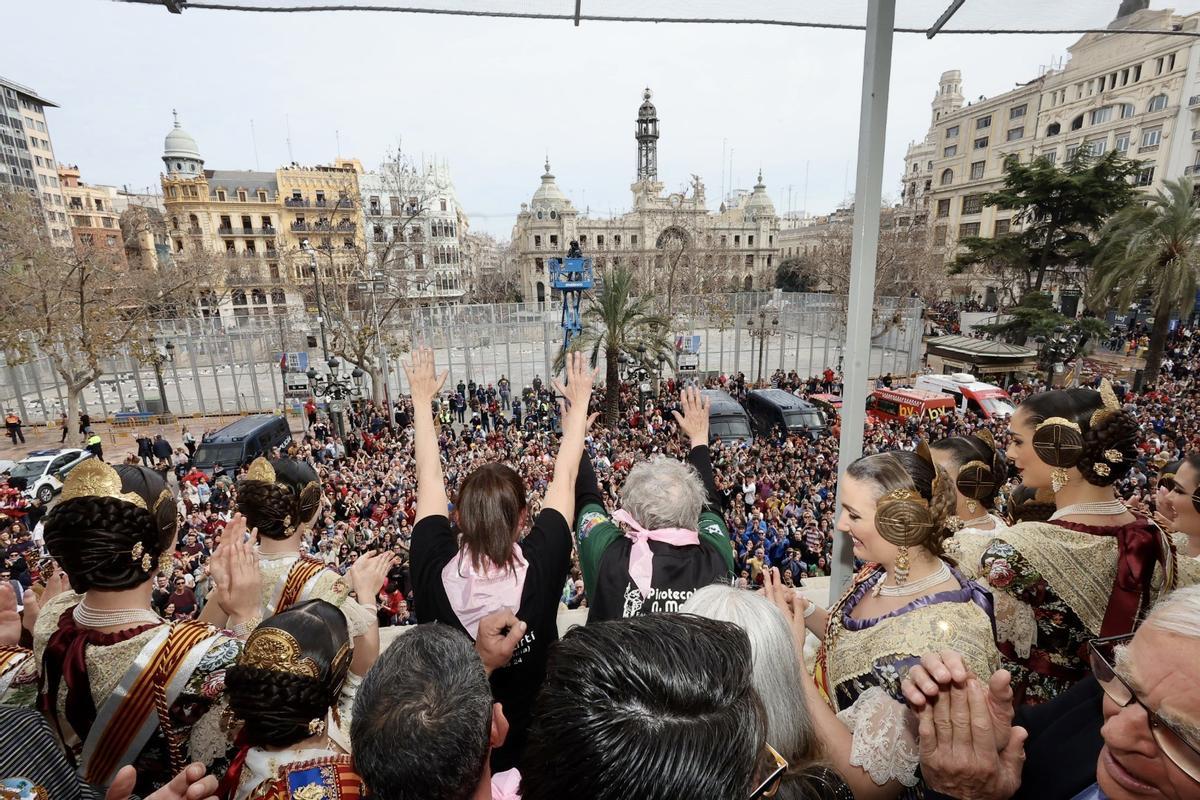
(180, 144)
(759, 203)
(548, 195)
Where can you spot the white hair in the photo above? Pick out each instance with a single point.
(776, 668)
(1178, 613)
(663, 493)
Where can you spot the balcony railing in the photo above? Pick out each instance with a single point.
(1193, 169)
(375, 211)
(341, 227)
(1194, 101)
(302, 226)
(244, 231)
(1196, 136)
(1148, 148)
(295, 202)
(195, 231)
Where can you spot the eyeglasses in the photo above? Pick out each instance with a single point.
(1173, 743)
(770, 786)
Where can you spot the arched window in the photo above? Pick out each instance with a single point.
(1053, 129)
(947, 177)
(239, 297)
(916, 168)
(175, 223)
(1157, 103)
(278, 297)
(1077, 123)
(748, 283)
(258, 296)
(541, 292)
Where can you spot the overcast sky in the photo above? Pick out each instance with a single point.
(493, 97)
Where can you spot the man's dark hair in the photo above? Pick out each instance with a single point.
(423, 718)
(657, 707)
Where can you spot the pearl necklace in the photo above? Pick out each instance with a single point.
(915, 587)
(113, 618)
(1103, 508)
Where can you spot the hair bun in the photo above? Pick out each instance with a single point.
(1058, 442)
(976, 480)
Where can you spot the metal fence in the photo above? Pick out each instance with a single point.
(231, 365)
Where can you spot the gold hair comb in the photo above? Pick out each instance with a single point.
(261, 470)
(277, 651)
(94, 478)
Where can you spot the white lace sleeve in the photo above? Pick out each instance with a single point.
(1015, 622)
(343, 713)
(884, 735)
(208, 740)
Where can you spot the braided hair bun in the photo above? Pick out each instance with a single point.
(290, 674)
(1086, 429)
(911, 523)
(976, 465)
(276, 507)
(1026, 504)
(108, 542)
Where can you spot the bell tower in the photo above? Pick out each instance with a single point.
(647, 139)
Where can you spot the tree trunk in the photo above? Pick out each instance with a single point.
(612, 386)
(376, 383)
(1158, 342)
(74, 395)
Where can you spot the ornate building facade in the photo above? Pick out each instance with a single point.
(1137, 95)
(671, 242)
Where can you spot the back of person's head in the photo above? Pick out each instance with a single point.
(658, 707)
(111, 525)
(278, 496)
(663, 493)
(776, 668)
(1178, 613)
(975, 464)
(1107, 435)
(290, 674)
(490, 508)
(422, 718)
(899, 470)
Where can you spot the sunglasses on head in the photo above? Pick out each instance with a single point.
(770, 786)
(1167, 736)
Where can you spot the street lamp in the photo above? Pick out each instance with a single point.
(762, 333)
(336, 387)
(157, 358)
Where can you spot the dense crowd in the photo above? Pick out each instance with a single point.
(488, 508)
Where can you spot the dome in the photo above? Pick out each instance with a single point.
(647, 109)
(180, 144)
(548, 195)
(759, 203)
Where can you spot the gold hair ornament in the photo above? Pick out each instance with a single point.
(1109, 401)
(316, 727)
(139, 554)
(261, 470)
(1102, 469)
(902, 517)
(1115, 457)
(277, 651)
(1058, 442)
(94, 478)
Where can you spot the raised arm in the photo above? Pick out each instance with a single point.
(424, 384)
(693, 424)
(560, 494)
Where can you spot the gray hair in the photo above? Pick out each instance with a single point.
(664, 493)
(1178, 613)
(776, 669)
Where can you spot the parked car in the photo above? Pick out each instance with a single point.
(772, 410)
(727, 420)
(242, 441)
(42, 472)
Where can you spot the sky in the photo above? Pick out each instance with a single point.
(493, 98)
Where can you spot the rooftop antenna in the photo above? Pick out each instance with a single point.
(287, 121)
(723, 143)
(337, 139)
(805, 209)
(254, 144)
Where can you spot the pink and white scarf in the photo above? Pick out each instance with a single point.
(641, 557)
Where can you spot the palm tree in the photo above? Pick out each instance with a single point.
(1151, 248)
(617, 322)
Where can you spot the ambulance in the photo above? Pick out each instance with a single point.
(985, 399)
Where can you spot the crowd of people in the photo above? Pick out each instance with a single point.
(1042, 566)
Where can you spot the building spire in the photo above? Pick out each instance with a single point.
(175, 114)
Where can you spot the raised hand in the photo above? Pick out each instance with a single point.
(10, 618)
(693, 422)
(789, 602)
(368, 573)
(239, 581)
(577, 392)
(423, 381)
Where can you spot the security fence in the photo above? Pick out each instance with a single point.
(231, 365)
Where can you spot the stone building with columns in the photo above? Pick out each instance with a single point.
(732, 248)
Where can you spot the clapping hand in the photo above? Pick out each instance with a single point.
(10, 618)
(694, 419)
(938, 673)
(368, 573)
(423, 381)
(788, 601)
(237, 579)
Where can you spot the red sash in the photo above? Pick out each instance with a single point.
(304, 570)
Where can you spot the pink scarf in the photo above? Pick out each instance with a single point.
(473, 594)
(641, 557)
(506, 785)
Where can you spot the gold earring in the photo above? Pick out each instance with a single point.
(1058, 479)
(902, 566)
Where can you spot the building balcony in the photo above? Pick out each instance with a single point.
(251, 254)
(1194, 101)
(1148, 148)
(374, 211)
(1196, 136)
(1193, 169)
(242, 231)
(341, 227)
(195, 232)
(302, 227)
(341, 202)
(295, 202)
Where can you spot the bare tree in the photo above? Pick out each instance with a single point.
(365, 289)
(77, 304)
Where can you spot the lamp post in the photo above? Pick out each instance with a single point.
(762, 333)
(312, 256)
(157, 359)
(337, 388)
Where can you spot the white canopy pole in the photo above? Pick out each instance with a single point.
(872, 129)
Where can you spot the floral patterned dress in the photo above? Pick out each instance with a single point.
(1052, 584)
(862, 662)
